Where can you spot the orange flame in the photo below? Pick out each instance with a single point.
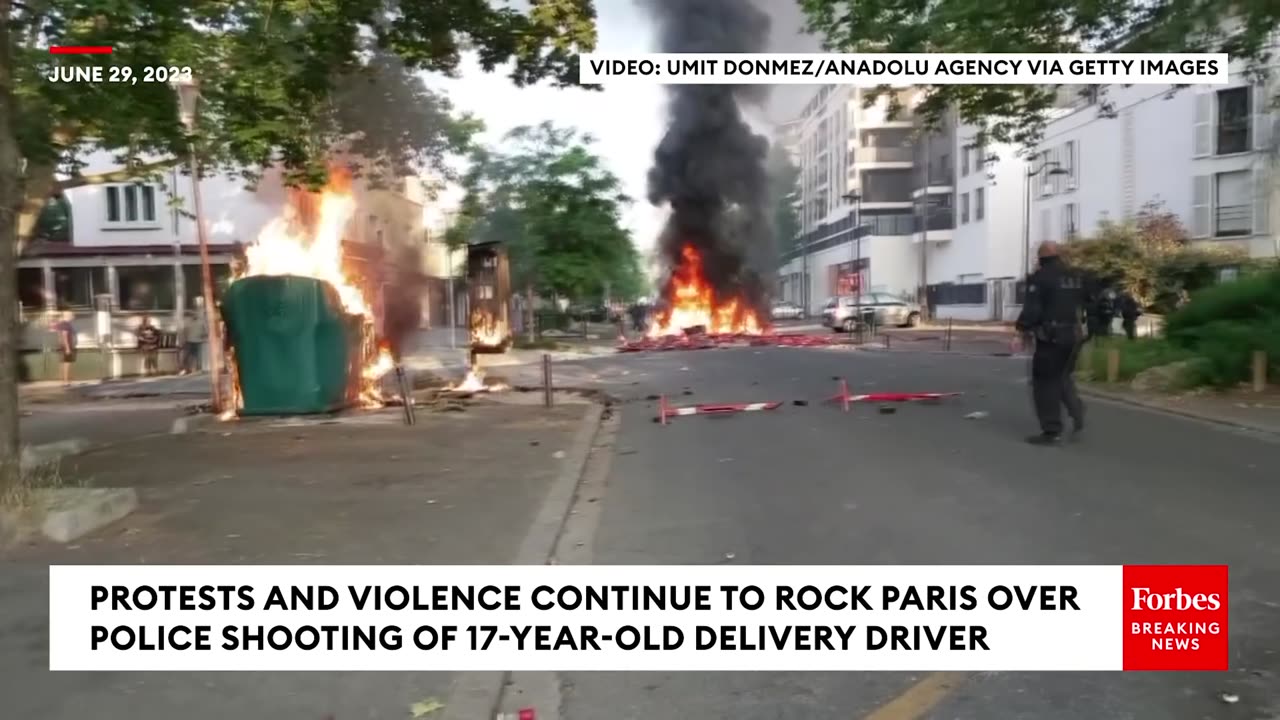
(306, 241)
(486, 330)
(691, 302)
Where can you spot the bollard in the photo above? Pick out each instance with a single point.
(1259, 371)
(1113, 365)
(948, 342)
(546, 379)
(406, 395)
(886, 341)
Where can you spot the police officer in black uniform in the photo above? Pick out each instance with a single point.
(1052, 312)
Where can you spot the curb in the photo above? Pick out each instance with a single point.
(190, 423)
(478, 695)
(33, 456)
(1178, 412)
(65, 515)
(73, 513)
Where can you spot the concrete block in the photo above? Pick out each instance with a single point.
(35, 456)
(71, 513)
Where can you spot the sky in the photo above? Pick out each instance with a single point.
(627, 122)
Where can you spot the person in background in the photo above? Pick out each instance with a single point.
(1129, 313)
(195, 333)
(149, 345)
(1184, 297)
(1056, 299)
(1106, 311)
(66, 332)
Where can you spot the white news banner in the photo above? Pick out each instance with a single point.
(565, 618)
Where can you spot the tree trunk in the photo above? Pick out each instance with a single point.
(530, 331)
(10, 200)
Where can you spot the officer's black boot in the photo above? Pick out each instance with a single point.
(1045, 438)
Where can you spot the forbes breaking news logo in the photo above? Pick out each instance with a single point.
(1175, 617)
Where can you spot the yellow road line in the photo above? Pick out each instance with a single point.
(920, 698)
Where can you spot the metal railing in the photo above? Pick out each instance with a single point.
(885, 154)
(1233, 220)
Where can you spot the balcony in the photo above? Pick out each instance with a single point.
(884, 155)
(942, 221)
(1233, 221)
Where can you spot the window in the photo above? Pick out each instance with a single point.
(193, 282)
(1234, 131)
(1069, 164)
(979, 203)
(964, 208)
(1233, 204)
(131, 204)
(76, 287)
(964, 161)
(31, 289)
(1070, 221)
(146, 287)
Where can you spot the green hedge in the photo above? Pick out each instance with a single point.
(1225, 324)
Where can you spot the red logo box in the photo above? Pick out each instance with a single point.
(1175, 617)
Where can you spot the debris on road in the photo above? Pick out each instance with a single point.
(669, 411)
(888, 410)
(698, 341)
(425, 707)
(844, 397)
(1229, 698)
(977, 415)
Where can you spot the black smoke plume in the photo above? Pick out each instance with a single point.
(710, 166)
(402, 301)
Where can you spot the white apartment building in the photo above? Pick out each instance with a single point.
(962, 243)
(844, 148)
(1206, 153)
(972, 267)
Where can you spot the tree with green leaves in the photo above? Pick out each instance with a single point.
(784, 186)
(280, 85)
(1151, 257)
(549, 198)
(1016, 113)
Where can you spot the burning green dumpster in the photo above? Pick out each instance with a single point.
(296, 350)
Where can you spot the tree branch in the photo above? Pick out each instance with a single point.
(114, 176)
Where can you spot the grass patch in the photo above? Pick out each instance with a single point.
(31, 481)
(1135, 356)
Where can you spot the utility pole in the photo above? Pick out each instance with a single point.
(189, 99)
(924, 228)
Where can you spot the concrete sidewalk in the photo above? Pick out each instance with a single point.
(1259, 412)
(460, 487)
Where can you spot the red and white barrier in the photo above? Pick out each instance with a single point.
(669, 411)
(845, 398)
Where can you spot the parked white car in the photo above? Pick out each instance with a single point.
(786, 311)
(881, 309)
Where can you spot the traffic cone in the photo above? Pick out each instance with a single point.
(842, 394)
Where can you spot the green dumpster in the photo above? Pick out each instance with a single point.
(296, 350)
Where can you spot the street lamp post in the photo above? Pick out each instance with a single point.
(1050, 168)
(855, 250)
(188, 102)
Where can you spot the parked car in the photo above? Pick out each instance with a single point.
(878, 309)
(786, 311)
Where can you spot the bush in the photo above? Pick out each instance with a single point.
(1225, 324)
(1135, 356)
(1151, 257)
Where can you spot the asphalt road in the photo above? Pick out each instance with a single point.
(810, 484)
(98, 422)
